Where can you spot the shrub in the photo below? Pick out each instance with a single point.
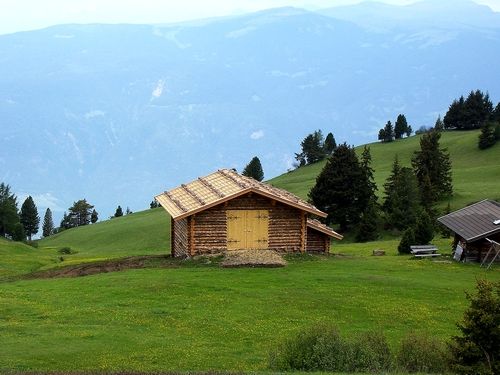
(407, 240)
(477, 351)
(370, 353)
(66, 250)
(32, 244)
(322, 348)
(421, 353)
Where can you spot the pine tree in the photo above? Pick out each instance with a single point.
(424, 229)
(254, 169)
(367, 228)
(337, 189)
(409, 130)
(400, 126)
(330, 144)
(154, 204)
(381, 135)
(29, 217)
(388, 132)
(477, 350)
(65, 223)
(407, 240)
(312, 148)
(48, 223)
(454, 117)
(487, 137)
(80, 213)
(433, 162)
(9, 217)
(477, 110)
(18, 234)
(94, 216)
(401, 197)
(118, 212)
(439, 125)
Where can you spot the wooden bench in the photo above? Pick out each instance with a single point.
(423, 251)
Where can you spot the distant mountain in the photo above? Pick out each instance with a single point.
(118, 113)
(427, 14)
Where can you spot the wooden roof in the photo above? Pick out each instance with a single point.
(475, 221)
(221, 186)
(319, 226)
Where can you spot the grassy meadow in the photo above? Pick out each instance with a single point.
(196, 316)
(476, 173)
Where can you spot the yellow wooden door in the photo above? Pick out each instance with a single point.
(257, 229)
(247, 229)
(236, 220)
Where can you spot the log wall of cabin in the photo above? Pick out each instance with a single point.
(180, 238)
(317, 241)
(478, 250)
(285, 224)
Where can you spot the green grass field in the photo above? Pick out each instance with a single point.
(196, 316)
(476, 173)
(209, 318)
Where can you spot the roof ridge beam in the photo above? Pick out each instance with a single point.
(211, 187)
(193, 194)
(232, 178)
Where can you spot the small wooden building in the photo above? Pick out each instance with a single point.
(472, 226)
(225, 211)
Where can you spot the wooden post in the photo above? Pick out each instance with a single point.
(191, 235)
(303, 231)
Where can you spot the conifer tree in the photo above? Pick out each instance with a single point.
(48, 223)
(9, 217)
(388, 132)
(154, 204)
(433, 162)
(454, 117)
(400, 126)
(337, 189)
(409, 130)
(19, 233)
(312, 149)
(367, 228)
(330, 144)
(407, 240)
(487, 136)
(439, 125)
(118, 212)
(65, 223)
(381, 135)
(29, 217)
(254, 169)
(477, 349)
(424, 229)
(401, 202)
(80, 213)
(94, 216)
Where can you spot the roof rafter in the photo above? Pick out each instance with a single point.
(211, 187)
(193, 194)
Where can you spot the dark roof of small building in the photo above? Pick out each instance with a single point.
(320, 227)
(219, 187)
(475, 221)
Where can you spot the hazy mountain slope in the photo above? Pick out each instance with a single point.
(118, 113)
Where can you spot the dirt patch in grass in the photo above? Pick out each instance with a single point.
(111, 265)
(253, 258)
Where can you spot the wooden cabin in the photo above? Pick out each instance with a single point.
(473, 226)
(225, 211)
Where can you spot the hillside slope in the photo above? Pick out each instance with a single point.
(475, 172)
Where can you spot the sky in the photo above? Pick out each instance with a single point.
(22, 15)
